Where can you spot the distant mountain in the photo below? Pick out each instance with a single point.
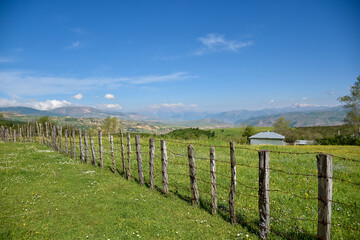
(330, 117)
(86, 112)
(29, 111)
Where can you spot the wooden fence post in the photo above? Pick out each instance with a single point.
(14, 137)
(325, 173)
(34, 131)
(81, 147)
(60, 139)
(123, 153)
(112, 153)
(139, 159)
(264, 198)
(151, 162)
(192, 174)
(129, 155)
(92, 150)
(100, 150)
(38, 130)
(6, 135)
(55, 145)
(87, 158)
(233, 184)
(213, 180)
(47, 133)
(66, 142)
(71, 144)
(164, 167)
(74, 143)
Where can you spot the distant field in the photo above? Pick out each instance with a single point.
(100, 203)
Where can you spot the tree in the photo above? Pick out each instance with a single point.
(110, 125)
(281, 126)
(248, 132)
(352, 102)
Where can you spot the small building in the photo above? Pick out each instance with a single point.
(304, 142)
(271, 138)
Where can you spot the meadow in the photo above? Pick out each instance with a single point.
(79, 200)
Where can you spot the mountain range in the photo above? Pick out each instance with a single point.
(299, 116)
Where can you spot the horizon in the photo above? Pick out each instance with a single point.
(179, 55)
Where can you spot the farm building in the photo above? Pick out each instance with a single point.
(267, 138)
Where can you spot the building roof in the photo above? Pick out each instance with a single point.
(267, 135)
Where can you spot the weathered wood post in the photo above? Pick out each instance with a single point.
(2, 133)
(151, 162)
(139, 159)
(213, 180)
(233, 184)
(92, 150)
(54, 138)
(6, 135)
(164, 167)
(20, 134)
(112, 153)
(38, 130)
(325, 173)
(74, 143)
(192, 174)
(47, 133)
(66, 142)
(129, 155)
(14, 137)
(87, 158)
(60, 139)
(27, 133)
(264, 198)
(34, 131)
(71, 144)
(123, 153)
(81, 147)
(10, 135)
(43, 134)
(100, 150)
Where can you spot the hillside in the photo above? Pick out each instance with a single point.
(30, 111)
(300, 119)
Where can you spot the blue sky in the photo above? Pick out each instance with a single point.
(185, 55)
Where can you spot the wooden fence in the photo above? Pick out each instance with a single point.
(34, 132)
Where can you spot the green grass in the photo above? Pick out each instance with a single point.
(46, 195)
(114, 212)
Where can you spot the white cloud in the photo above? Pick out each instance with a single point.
(22, 83)
(304, 98)
(78, 96)
(74, 45)
(109, 96)
(109, 106)
(46, 105)
(173, 106)
(214, 42)
(272, 101)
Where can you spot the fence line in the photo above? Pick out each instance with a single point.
(33, 133)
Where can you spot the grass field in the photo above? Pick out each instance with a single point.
(48, 195)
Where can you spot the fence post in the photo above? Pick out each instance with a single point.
(55, 145)
(74, 143)
(71, 144)
(112, 153)
(6, 135)
(151, 162)
(47, 133)
(38, 130)
(123, 153)
(324, 166)
(86, 148)
(164, 167)
(129, 155)
(139, 159)
(192, 174)
(213, 180)
(81, 147)
(14, 137)
(92, 150)
(66, 142)
(100, 150)
(60, 139)
(233, 184)
(264, 198)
